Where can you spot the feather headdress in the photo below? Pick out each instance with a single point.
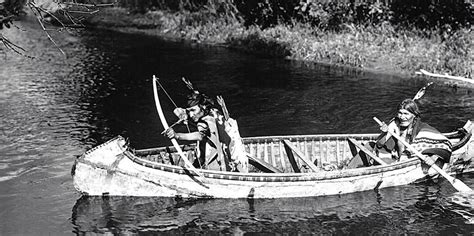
(421, 92)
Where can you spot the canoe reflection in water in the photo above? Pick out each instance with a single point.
(399, 210)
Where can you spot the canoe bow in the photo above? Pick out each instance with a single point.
(166, 126)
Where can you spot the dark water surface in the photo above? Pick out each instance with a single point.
(53, 108)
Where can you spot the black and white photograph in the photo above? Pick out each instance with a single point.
(236, 117)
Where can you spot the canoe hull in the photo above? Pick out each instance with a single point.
(113, 168)
(158, 183)
(121, 173)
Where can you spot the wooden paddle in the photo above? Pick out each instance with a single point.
(457, 184)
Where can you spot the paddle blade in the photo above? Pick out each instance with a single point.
(460, 186)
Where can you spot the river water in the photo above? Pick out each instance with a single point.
(54, 107)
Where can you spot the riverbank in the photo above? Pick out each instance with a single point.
(376, 49)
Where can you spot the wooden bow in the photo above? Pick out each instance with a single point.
(166, 126)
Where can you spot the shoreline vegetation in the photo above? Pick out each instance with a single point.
(369, 36)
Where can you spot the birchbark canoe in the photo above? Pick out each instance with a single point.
(114, 168)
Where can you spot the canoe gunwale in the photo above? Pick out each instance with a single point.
(276, 177)
(104, 144)
(134, 155)
(460, 133)
(323, 137)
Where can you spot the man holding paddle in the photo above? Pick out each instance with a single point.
(423, 137)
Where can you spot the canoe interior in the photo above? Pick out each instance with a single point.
(327, 152)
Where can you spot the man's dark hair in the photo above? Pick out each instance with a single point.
(200, 99)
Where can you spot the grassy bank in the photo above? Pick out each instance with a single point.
(380, 48)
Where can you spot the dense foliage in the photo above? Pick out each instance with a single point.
(406, 35)
(332, 15)
(424, 15)
(9, 9)
(421, 14)
(431, 14)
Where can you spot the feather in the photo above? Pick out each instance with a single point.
(189, 85)
(221, 102)
(422, 91)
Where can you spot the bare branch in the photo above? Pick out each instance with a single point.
(40, 19)
(60, 9)
(84, 12)
(71, 18)
(40, 9)
(89, 5)
(14, 47)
